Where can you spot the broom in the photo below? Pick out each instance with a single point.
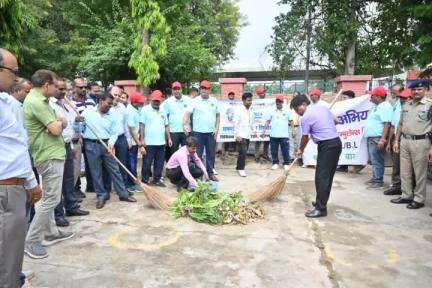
(156, 198)
(274, 189)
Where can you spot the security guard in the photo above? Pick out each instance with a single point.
(414, 134)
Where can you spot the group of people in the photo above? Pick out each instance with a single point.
(400, 123)
(50, 128)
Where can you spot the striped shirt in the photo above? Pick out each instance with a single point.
(81, 105)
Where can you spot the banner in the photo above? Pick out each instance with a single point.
(227, 111)
(352, 114)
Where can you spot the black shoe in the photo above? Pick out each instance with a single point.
(128, 199)
(62, 222)
(342, 168)
(159, 184)
(393, 191)
(315, 213)
(80, 194)
(79, 200)
(77, 212)
(100, 204)
(401, 200)
(415, 205)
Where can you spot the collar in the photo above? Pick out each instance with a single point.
(39, 95)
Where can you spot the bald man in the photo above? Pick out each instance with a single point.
(16, 178)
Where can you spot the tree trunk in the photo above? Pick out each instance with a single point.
(350, 57)
(308, 48)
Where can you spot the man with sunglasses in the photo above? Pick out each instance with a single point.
(17, 180)
(69, 201)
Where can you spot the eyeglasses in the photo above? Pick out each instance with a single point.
(14, 71)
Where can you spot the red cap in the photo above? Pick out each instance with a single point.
(379, 91)
(156, 95)
(315, 92)
(260, 90)
(205, 84)
(280, 98)
(137, 98)
(176, 85)
(406, 93)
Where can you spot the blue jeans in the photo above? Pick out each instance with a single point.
(377, 158)
(68, 201)
(274, 148)
(155, 155)
(122, 153)
(207, 141)
(133, 159)
(98, 158)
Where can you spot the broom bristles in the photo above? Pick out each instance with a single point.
(272, 190)
(156, 198)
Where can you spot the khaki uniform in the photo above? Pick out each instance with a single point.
(416, 121)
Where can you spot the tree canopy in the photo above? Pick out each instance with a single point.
(153, 41)
(353, 36)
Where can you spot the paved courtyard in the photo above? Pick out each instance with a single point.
(364, 242)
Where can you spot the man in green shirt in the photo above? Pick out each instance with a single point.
(48, 151)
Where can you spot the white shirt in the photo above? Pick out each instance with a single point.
(62, 109)
(243, 122)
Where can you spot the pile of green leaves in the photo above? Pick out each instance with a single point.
(206, 205)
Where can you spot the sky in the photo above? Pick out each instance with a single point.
(250, 50)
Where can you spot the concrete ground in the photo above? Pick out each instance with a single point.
(364, 242)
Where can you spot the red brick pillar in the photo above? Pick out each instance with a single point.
(356, 83)
(235, 85)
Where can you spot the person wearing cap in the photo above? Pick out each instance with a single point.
(175, 108)
(396, 100)
(315, 97)
(376, 130)
(278, 119)
(123, 142)
(155, 134)
(133, 111)
(99, 158)
(318, 122)
(206, 118)
(415, 135)
(260, 91)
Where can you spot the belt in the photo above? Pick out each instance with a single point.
(414, 137)
(12, 182)
(95, 141)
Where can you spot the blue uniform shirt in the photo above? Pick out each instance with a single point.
(133, 120)
(175, 110)
(105, 124)
(154, 125)
(204, 114)
(378, 116)
(14, 156)
(397, 110)
(279, 122)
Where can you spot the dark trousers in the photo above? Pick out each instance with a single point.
(178, 140)
(242, 148)
(274, 148)
(68, 200)
(177, 177)
(122, 153)
(89, 178)
(99, 158)
(207, 141)
(328, 158)
(396, 179)
(133, 159)
(155, 155)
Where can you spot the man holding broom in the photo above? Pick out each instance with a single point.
(318, 122)
(106, 127)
